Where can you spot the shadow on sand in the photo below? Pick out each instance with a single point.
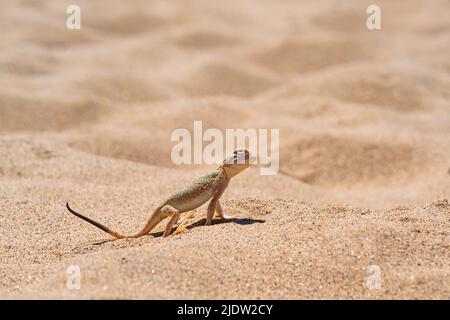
(241, 221)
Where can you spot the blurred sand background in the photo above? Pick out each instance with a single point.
(364, 119)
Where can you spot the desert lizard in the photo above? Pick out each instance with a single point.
(192, 195)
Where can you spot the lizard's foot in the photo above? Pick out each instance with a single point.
(208, 222)
(184, 221)
(221, 214)
(182, 227)
(186, 217)
(226, 217)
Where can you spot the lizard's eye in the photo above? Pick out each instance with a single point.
(240, 156)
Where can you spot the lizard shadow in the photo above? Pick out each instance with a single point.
(199, 223)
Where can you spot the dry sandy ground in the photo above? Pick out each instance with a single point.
(364, 118)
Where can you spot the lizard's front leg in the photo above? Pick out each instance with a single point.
(210, 214)
(214, 202)
(220, 212)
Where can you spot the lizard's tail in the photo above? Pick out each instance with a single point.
(149, 226)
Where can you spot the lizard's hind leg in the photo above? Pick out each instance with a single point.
(173, 219)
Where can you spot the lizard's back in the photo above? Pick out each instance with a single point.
(195, 192)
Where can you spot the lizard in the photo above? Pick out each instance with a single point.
(190, 196)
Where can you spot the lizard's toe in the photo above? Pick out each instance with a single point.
(182, 227)
(227, 217)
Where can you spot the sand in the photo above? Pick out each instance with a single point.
(364, 119)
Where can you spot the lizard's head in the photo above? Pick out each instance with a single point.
(238, 161)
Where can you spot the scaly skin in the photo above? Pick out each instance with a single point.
(196, 192)
(192, 195)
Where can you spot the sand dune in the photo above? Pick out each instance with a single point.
(300, 56)
(333, 161)
(393, 87)
(364, 118)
